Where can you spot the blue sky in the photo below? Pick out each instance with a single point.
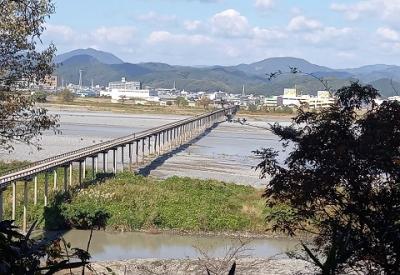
(337, 33)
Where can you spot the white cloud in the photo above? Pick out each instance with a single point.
(121, 35)
(385, 9)
(158, 37)
(264, 4)
(105, 38)
(59, 31)
(388, 34)
(152, 16)
(302, 23)
(192, 25)
(268, 34)
(327, 34)
(230, 23)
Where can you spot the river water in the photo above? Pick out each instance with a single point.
(107, 246)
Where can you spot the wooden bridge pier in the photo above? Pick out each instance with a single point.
(159, 140)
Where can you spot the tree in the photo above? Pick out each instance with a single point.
(40, 97)
(205, 102)
(66, 96)
(21, 254)
(181, 101)
(21, 25)
(340, 183)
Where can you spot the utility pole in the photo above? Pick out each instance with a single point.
(80, 78)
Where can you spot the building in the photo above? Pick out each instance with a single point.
(125, 85)
(271, 101)
(128, 90)
(291, 97)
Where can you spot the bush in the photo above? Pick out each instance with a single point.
(40, 97)
(66, 96)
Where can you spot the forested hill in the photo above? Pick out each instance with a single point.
(102, 67)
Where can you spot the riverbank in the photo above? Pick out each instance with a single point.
(105, 104)
(248, 266)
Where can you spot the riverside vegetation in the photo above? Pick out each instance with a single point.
(133, 202)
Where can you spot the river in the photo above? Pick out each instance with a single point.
(109, 246)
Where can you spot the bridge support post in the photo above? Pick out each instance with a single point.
(163, 143)
(65, 178)
(175, 136)
(70, 174)
(179, 135)
(130, 156)
(169, 139)
(96, 158)
(14, 199)
(159, 144)
(46, 188)
(35, 179)
(104, 162)
(122, 157)
(93, 169)
(143, 150)
(149, 145)
(55, 180)
(1, 205)
(80, 173)
(114, 161)
(154, 145)
(84, 169)
(24, 223)
(137, 152)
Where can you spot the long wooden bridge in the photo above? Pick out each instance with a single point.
(133, 150)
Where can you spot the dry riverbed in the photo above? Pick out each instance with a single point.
(224, 154)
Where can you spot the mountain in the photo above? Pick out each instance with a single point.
(94, 70)
(368, 69)
(388, 86)
(271, 65)
(227, 78)
(103, 57)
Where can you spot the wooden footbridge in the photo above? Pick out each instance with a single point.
(133, 151)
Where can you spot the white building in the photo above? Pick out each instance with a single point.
(271, 101)
(394, 98)
(291, 97)
(127, 89)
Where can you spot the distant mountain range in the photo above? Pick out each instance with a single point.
(103, 67)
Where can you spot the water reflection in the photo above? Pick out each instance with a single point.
(131, 245)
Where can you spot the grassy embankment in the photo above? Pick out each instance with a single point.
(144, 203)
(104, 104)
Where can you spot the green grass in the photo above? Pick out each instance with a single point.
(137, 203)
(142, 203)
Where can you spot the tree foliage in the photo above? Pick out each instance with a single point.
(205, 102)
(66, 96)
(21, 25)
(20, 254)
(40, 97)
(181, 101)
(341, 182)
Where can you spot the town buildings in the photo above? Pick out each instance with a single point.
(128, 90)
